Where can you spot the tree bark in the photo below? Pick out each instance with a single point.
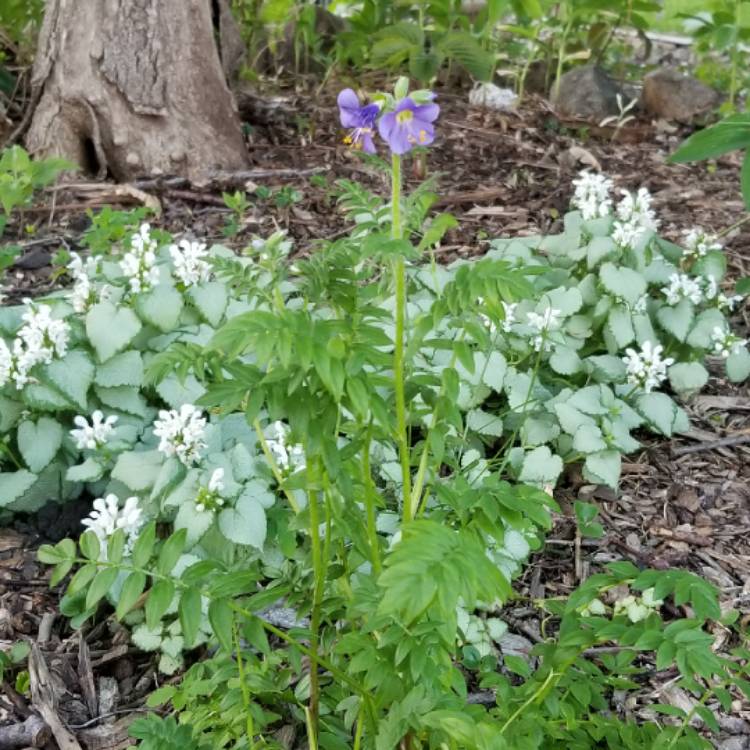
(134, 88)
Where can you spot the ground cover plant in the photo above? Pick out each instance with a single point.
(356, 453)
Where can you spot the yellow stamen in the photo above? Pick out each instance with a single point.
(347, 140)
(404, 116)
(422, 136)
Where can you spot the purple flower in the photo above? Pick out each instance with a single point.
(409, 125)
(360, 120)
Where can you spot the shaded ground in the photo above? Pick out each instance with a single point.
(499, 175)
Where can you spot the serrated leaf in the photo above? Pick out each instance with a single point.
(110, 329)
(660, 411)
(10, 410)
(195, 523)
(138, 469)
(738, 366)
(484, 423)
(72, 375)
(176, 392)
(622, 282)
(122, 369)
(603, 467)
(705, 322)
(210, 299)
(89, 471)
(245, 523)
(39, 397)
(539, 428)
(688, 377)
(124, 398)
(677, 319)
(588, 439)
(565, 361)
(39, 442)
(160, 306)
(492, 370)
(607, 367)
(620, 325)
(147, 639)
(14, 484)
(541, 466)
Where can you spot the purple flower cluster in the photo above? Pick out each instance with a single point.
(408, 125)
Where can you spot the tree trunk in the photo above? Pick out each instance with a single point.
(130, 88)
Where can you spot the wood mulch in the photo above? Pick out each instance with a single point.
(683, 502)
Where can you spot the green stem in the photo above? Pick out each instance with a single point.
(369, 488)
(399, 272)
(249, 724)
(274, 467)
(550, 677)
(319, 576)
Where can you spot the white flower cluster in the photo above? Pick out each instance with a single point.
(641, 305)
(681, 286)
(83, 294)
(591, 196)
(726, 343)
(107, 517)
(646, 368)
(542, 324)
(190, 266)
(698, 243)
(139, 265)
(713, 292)
(38, 341)
(638, 608)
(209, 497)
(635, 217)
(95, 435)
(289, 457)
(509, 316)
(181, 433)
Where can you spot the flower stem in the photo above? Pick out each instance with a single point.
(274, 467)
(319, 578)
(399, 272)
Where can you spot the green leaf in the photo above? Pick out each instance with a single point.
(541, 466)
(678, 319)
(14, 484)
(110, 329)
(90, 546)
(603, 468)
(484, 423)
(728, 135)
(138, 469)
(189, 611)
(210, 299)
(588, 439)
(39, 442)
(100, 586)
(221, 617)
(122, 369)
(738, 366)
(170, 552)
(72, 375)
(607, 368)
(89, 471)
(660, 411)
(131, 590)
(620, 325)
(158, 602)
(687, 377)
(565, 361)
(245, 523)
(700, 334)
(10, 410)
(462, 47)
(160, 306)
(195, 523)
(622, 282)
(41, 398)
(144, 546)
(492, 369)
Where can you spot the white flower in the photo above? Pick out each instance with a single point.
(698, 243)
(6, 363)
(635, 218)
(216, 483)
(139, 265)
(83, 294)
(107, 517)
(641, 305)
(548, 321)
(646, 368)
(682, 286)
(181, 433)
(509, 308)
(591, 196)
(96, 434)
(189, 262)
(726, 343)
(712, 292)
(288, 457)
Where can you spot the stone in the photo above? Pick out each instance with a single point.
(671, 95)
(588, 92)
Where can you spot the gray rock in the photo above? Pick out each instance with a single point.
(734, 743)
(588, 92)
(670, 95)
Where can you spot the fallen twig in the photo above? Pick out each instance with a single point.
(31, 733)
(725, 442)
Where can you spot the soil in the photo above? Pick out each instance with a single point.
(682, 502)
